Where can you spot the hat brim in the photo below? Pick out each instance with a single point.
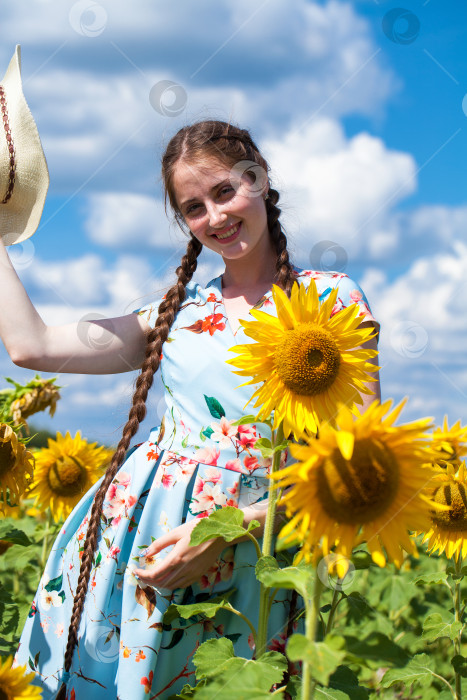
(21, 214)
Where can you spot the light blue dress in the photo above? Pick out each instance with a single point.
(190, 465)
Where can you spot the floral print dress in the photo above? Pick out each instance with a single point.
(196, 461)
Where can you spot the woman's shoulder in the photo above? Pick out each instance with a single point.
(194, 291)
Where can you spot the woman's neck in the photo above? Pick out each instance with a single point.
(256, 271)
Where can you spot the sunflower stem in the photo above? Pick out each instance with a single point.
(311, 627)
(264, 602)
(45, 541)
(458, 618)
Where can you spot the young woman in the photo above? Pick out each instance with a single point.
(95, 628)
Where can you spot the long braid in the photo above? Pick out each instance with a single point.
(166, 313)
(285, 274)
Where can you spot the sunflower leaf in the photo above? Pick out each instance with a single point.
(291, 577)
(433, 577)
(208, 608)
(240, 678)
(211, 656)
(435, 627)
(324, 657)
(227, 522)
(245, 420)
(11, 534)
(418, 670)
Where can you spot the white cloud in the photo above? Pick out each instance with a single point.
(127, 220)
(341, 188)
(424, 332)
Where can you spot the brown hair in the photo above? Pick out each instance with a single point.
(202, 140)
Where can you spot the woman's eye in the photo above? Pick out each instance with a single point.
(191, 208)
(226, 190)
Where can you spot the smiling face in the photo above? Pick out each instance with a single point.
(223, 210)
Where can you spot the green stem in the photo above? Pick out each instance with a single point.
(244, 617)
(311, 625)
(458, 618)
(273, 495)
(264, 606)
(45, 541)
(255, 542)
(334, 603)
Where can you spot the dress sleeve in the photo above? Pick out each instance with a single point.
(149, 312)
(349, 292)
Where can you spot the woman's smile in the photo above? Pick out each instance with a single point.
(228, 235)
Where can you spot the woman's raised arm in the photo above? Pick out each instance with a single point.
(104, 346)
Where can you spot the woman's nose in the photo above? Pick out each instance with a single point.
(216, 214)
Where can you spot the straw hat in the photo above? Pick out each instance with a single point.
(24, 177)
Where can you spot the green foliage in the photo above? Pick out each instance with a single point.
(324, 657)
(40, 437)
(21, 567)
(208, 608)
(299, 577)
(227, 676)
(226, 522)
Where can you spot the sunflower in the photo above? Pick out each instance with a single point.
(306, 359)
(14, 685)
(38, 395)
(450, 443)
(367, 479)
(65, 470)
(448, 531)
(16, 466)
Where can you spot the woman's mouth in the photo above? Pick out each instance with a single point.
(229, 235)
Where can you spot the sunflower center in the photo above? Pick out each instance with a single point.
(307, 359)
(67, 477)
(7, 461)
(358, 490)
(454, 496)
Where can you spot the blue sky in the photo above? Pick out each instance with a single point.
(360, 108)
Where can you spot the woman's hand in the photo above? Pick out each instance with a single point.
(184, 564)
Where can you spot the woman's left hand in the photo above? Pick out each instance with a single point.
(184, 564)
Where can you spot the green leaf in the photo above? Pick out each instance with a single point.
(324, 657)
(330, 694)
(361, 560)
(11, 534)
(434, 577)
(460, 665)
(292, 577)
(274, 659)
(225, 522)
(294, 687)
(375, 647)
(263, 442)
(208, 432)
(418, 670)
(211, 657)
(208, 609)
(358, 606)
(54, 584)
(434, 627)
(246, 420)
(241, 679)
(345, 680)
(215, 408)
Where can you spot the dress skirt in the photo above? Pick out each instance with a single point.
(124, 649)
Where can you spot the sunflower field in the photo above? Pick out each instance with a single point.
(366, 523)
